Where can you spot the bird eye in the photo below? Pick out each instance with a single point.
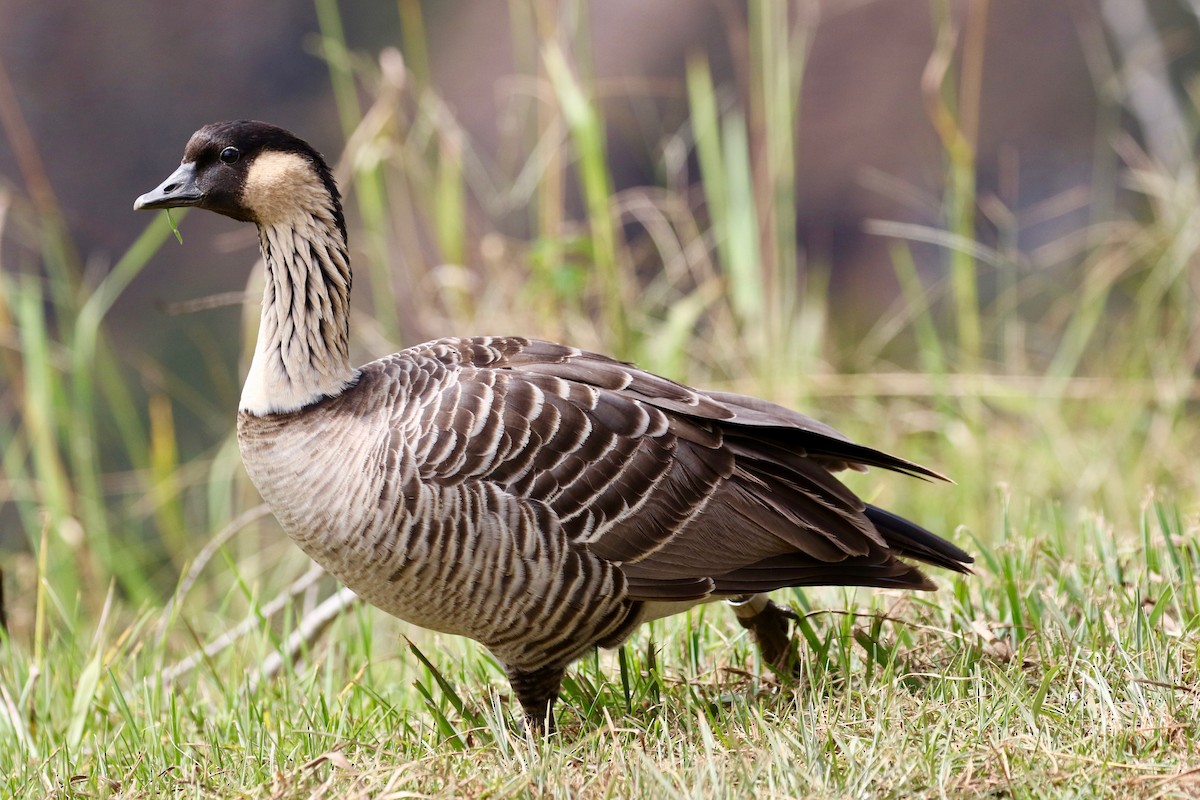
(230, 155)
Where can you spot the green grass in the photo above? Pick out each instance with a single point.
(1056, 388)
(1066, 665)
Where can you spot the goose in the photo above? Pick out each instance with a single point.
(538, 498)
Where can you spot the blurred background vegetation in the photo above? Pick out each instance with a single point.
(961, 230)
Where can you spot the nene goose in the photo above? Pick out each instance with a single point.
(538, 498)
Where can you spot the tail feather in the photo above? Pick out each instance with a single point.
(909, 539)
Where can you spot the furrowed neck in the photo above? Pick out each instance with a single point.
(302, 352)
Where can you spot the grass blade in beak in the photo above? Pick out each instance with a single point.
(174, 227)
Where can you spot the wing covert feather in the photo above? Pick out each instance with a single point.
(689, 492)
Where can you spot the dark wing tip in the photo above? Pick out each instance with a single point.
(910, 539)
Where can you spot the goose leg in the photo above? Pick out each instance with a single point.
(537, 690)
(769, 624)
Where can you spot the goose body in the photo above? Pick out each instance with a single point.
(540, 499)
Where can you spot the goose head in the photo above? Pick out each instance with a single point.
(250, 171)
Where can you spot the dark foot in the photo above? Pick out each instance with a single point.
(770, 625)
(536, 690)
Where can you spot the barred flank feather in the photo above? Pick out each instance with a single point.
(540, 499)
